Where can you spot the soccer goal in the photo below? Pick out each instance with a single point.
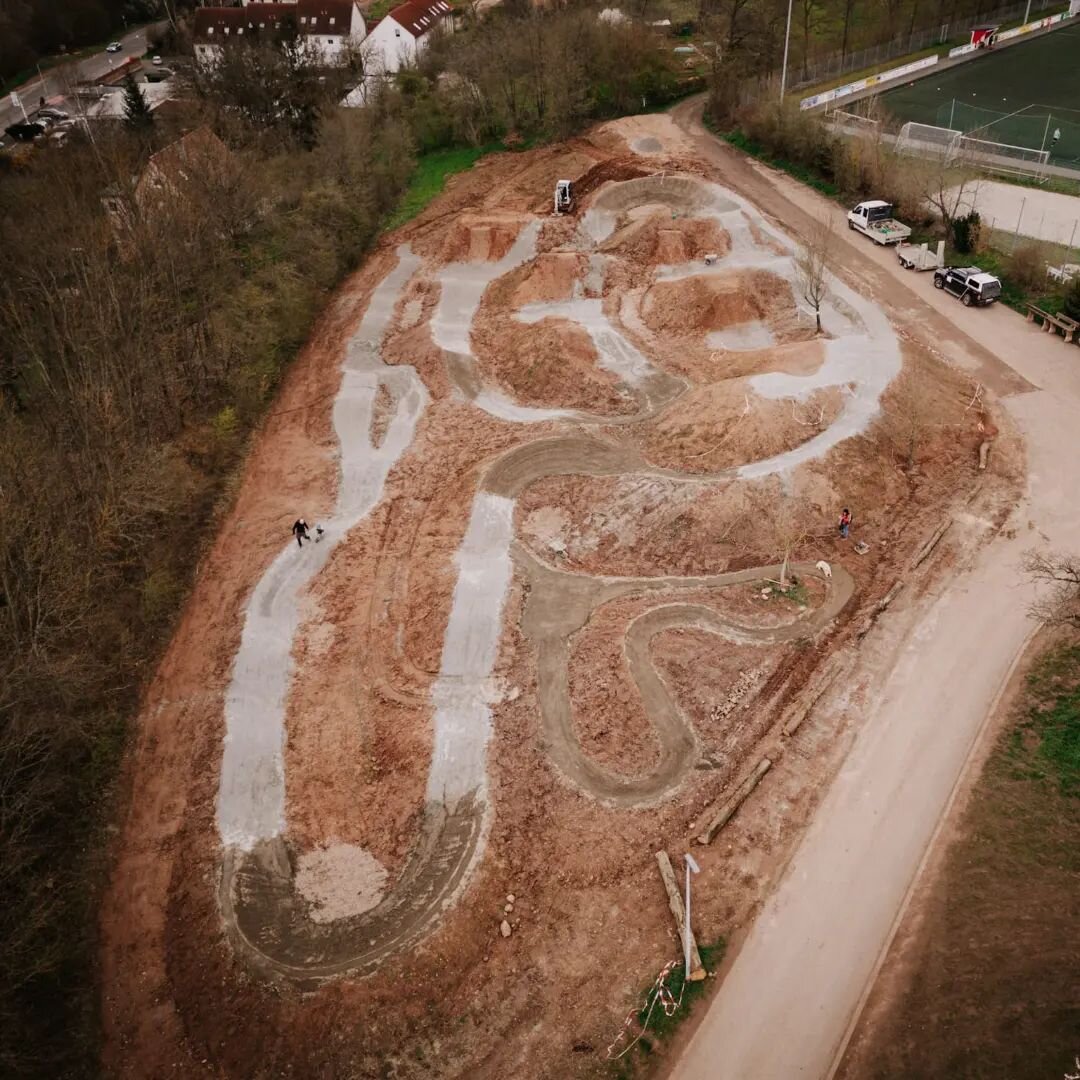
(928, 140)
(1002, 157)
(950, 145)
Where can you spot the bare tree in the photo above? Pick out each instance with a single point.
(786, 522)
(952, 191)
(812, 264)
(911, 410)
(1059, 576)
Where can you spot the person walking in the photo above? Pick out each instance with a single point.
(845, 523)
(300, 531)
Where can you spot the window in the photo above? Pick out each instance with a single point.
(209, 30)
(240, 30)
(226, 29)
(397, 33)
(331, 20)
(303, 19)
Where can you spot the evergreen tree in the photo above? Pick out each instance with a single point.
(137, 113)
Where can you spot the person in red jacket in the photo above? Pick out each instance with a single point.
(845, 523)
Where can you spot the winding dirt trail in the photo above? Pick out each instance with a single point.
(269, 923)
(789, 1000)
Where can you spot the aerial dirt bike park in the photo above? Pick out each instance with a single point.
(397, 793)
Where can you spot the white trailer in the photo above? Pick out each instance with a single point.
(920, 257)
(874, 219)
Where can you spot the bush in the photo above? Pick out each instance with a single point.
(1026, 267)
(1071, 305)
(966, 231)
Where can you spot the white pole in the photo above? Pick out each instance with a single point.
(691, 864)
(1027, 14)
(686, 927)
(783, 70)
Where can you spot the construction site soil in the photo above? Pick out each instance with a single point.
(537, 646)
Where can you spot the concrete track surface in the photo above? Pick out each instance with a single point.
(793, 992)
(268, 922)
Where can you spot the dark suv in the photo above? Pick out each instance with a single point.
(971, 284)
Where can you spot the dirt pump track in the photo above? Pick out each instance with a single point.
(435, 556)
(267, 921)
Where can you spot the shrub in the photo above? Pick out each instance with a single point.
(966, 231)
(1026, 266)
(1071, 305)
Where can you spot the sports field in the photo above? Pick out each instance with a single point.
(1021, 94)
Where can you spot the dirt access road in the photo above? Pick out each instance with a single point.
(793, 992)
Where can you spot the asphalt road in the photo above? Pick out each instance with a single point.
(56, 81)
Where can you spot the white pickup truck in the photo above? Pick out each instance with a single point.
(872, 218)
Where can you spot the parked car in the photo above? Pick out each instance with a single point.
(874, 218)
(113, 46)
(53, 114)
(156, 61)
(972, 285)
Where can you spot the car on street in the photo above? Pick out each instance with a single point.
(113, 46)
(972, 285)
(156, 61)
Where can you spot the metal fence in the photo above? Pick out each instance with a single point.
(819, 69)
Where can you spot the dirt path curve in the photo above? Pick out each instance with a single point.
(795, 987)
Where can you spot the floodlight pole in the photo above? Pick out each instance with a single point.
(1027, 13)
(787, 42)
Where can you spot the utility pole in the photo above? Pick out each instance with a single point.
(787, 42)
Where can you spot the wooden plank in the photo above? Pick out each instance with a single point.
(675, 902)
(728, 808)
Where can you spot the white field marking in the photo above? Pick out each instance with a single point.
(251, 794)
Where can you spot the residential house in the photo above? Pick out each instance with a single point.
(331, 26)
(398, 40)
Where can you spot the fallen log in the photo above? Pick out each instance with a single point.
(727, 810)
(930, 544)
(675, 902)
(984, 454)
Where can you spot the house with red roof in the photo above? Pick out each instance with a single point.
(398, 40)
(330, 26)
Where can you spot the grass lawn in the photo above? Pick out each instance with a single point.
(432, 171)
(988, 971)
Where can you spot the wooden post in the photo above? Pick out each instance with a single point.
(675, 902)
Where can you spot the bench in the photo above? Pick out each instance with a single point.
(1052, 323)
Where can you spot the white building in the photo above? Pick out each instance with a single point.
(331, 26)
(398, 40)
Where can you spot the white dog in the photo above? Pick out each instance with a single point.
(824, 567)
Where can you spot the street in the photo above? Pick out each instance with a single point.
(57, 80)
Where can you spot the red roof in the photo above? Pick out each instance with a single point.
(310, 16)
(419, 16)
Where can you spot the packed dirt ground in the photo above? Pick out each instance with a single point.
(980, 980)
(624, 407)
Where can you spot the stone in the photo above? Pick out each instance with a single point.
(505, 929)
